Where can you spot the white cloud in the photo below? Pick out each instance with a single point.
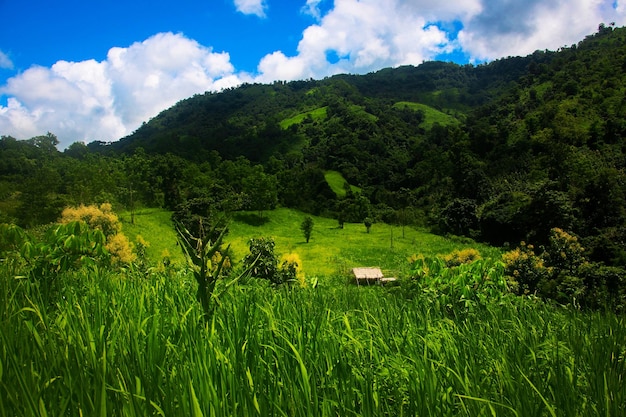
(255, 7)
(312, 8)
(5, 61)
(366, 35)
(512, 28)
(106, 100)
(371, 34)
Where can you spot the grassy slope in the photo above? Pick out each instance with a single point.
(334, 251)
(316, 114)
(155, 226)
(336, 181)
(432, 115)
(331, 251)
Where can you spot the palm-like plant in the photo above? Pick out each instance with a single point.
(201, 256)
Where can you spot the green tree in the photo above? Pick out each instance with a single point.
(261, 190)
(368, 223)
(307, 227)
(261, 261)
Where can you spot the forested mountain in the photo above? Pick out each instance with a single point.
(500, 152)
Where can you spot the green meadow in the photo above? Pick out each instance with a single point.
(131, 341)
(315, 114)
(431, 115)
(336, 181)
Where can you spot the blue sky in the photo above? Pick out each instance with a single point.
(96, 70)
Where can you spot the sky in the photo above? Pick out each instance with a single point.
(88, 71)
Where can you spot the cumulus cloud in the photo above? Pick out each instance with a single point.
(510, 28)
(360, 36)
(5, 61)
(106, 100)
(90, 100)
(312, 8)
(255, 7)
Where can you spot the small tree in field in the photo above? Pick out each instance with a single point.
(368, 223)
(307, 228)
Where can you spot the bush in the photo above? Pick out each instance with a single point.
(263, 263)
(556, 273)
(460, 257)
(291, 269)
(104, 219)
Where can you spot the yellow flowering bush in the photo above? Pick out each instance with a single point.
(101, 218)
(460, 257)
(120, 248)
(556, 273)
(292, 267)
(104, 219)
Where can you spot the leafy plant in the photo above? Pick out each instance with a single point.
(368, 222)
(65, 247)
(307, 227)
(261, 260)
(204, 257)
(104, 219)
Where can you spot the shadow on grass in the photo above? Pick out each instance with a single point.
(251, 219)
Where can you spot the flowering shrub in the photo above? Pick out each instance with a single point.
(460, 257)
(556, 273)
(524, 269)
(101, 218)
(104, 219)
(291, 267)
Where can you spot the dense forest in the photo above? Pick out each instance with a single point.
(502, 152)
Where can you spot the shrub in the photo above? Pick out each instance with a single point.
(104, 219)
(307, 228)
(101, 218)
(556, 273)
(524, 269)
(291, 267)
(263, 263)
(460, 257)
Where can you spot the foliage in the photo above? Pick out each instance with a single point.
(263, 263)
(116, 346)
(307, 227)
(291, 267)
(460, 288)
(261, 259)
(207, 263)
(563, 273)
(368, 222)
(65, 247)
(104, 219)
(460, 257)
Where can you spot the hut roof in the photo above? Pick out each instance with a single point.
(367, 273)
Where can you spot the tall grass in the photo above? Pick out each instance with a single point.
(115, 345)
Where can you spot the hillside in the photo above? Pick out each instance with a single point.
(500, 152)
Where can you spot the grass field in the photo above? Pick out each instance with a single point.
(315, 114)
(336, 182)
(432, 115)
(334, 251)
(330, 252)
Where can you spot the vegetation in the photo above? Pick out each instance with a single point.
(307, 228)
(525, 155)
(447, 341)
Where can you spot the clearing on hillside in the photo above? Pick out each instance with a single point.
(337, 182)
(431, 115)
